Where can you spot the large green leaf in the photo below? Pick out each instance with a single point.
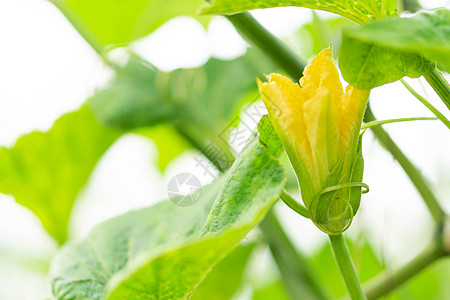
(116, 22)
(164, 251)
(366, 66)
(359, 11)
(386, 50)
(44, 171)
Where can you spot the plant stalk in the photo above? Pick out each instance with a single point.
(346, 268)
(254, 33)
(439, 85)
(413, 173)
(387, 281)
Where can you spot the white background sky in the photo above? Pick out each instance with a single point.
(47, 69)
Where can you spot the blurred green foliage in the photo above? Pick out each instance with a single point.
(45, 171)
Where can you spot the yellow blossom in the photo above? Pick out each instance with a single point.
(319, 127)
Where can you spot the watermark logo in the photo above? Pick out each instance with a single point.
(184, 189)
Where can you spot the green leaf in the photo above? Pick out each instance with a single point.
(200, 103)
(359, 11)
(116, 22)
(426, 34)
(269, 137)
(387, 50)
(164, 251)
(45, 171)
(272, 291)
(133, 99)
(366, 66)
(225, 278)
(203, 98)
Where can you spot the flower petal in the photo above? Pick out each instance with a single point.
(284, 101)
(353, 106)
(322, 72)
(322, 132)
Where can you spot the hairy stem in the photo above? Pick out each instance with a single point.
(346, 268)
(440, 85)
(387, 281)
(413, 173)
(298, 277)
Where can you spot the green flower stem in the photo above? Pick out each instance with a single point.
(413, 173)
(293, 204)
(440, 85)
(387, 281)
(346, 268)
(298, 276)
(262, 39)
(427, 104)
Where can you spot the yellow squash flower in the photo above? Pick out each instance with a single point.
(319, 127)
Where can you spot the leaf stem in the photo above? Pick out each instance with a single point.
(387, 281)
(427, 104)
(298, 276)
(413, 173)
(254, 33)
(346, 268)
(439, 85)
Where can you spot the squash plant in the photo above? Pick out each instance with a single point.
(170, 252)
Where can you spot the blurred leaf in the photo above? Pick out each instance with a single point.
(366, 263)
(225, 278)
(168, 141)
(317, 35)
(272, 291)
(164, 251)
(359, 11)
(45, 171)
(200, 103)
(116, 22)
(426, 34)
(387, 50)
